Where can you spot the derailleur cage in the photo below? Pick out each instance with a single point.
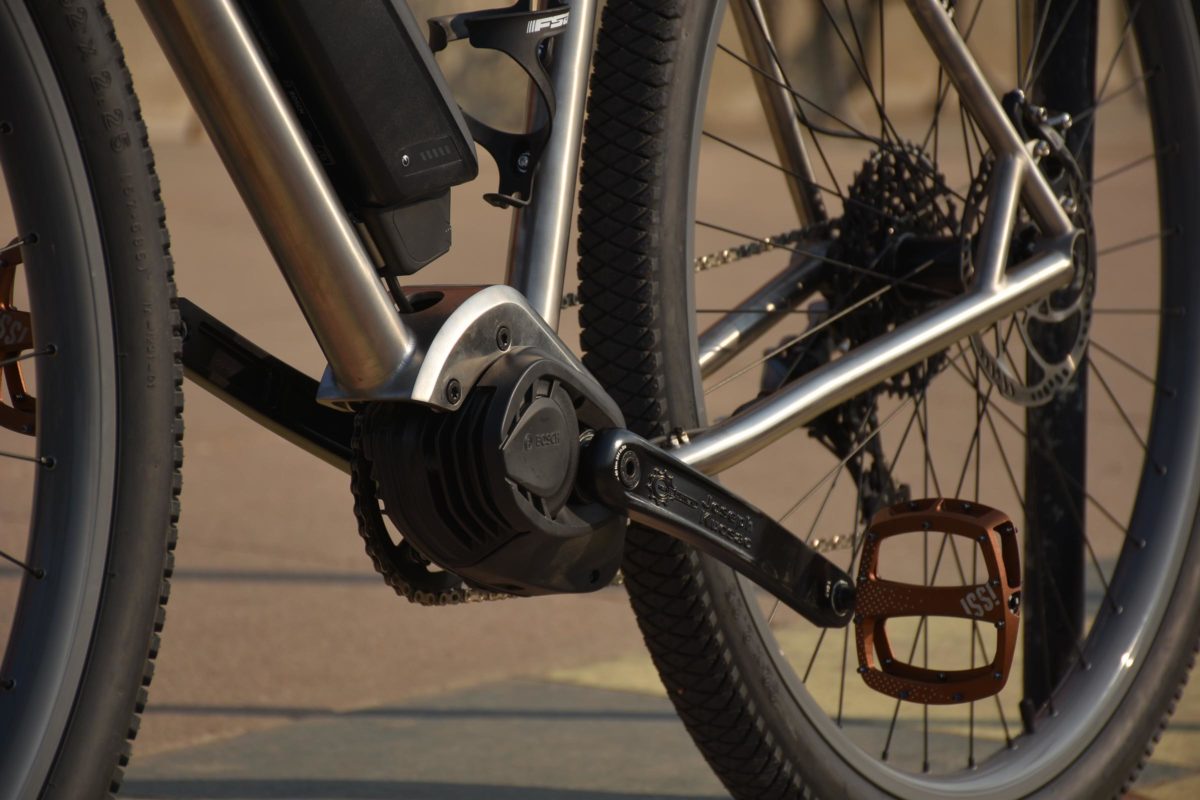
(996, 600)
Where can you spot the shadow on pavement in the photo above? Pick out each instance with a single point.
(256, 789)
(300, 712)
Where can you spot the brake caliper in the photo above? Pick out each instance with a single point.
(996, 600)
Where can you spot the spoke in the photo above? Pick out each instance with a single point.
(1129, 87)
(975, 632)
(846, 629)
(859, 66)
(1053, 43)
(761, 21)
(1091, 120)
(1153, 237)
(925, 655)
(37, 572)
(1120, 409)
(1093, 344)
(812, 659)
(806, 311)
(923, 423)
(1012, 479)
(921, 625)
(1165, 312)
(807, 181)
(857, 449)
(768, 162)
(45, 351)
(43, 460)
(824, 502)
(850, 132)
(1059, 470)
(1024, 78)
(15, 244)
(944, 85)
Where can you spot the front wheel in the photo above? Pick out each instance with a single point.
(91, 404)
(1084, 426)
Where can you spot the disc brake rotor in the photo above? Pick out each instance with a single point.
(1053, 333)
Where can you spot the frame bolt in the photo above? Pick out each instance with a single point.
(453, 391)
(405, 160)
(523, 162)
(503, 338)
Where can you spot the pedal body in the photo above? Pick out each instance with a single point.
(996, 601)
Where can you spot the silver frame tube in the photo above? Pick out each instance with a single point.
(282, 183)
(541, 232)
(960, 66)
(768, 420)
(369, 346)
(762, 310)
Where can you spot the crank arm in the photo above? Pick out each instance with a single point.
(655, 489)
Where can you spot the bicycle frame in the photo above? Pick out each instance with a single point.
(372, 351)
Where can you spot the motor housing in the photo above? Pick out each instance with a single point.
(488, 491)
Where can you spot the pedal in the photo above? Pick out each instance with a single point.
(996, 600)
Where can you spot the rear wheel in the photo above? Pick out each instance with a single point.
(90, 413)
(1096, 466)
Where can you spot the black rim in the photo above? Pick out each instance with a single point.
(75, 453)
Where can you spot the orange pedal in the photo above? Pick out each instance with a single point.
(996, 600)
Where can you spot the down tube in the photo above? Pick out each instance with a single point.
(282, 183)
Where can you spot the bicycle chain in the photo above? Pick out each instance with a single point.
(730, 255)
(377, 540)
(397, 572)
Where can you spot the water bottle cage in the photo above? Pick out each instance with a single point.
(520, 33)
(996, 600)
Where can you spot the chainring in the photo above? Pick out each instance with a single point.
(410, 574)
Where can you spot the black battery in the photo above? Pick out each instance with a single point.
(369, 94)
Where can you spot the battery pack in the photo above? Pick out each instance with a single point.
(365, 87)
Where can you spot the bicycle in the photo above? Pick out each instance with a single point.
(956, 253)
